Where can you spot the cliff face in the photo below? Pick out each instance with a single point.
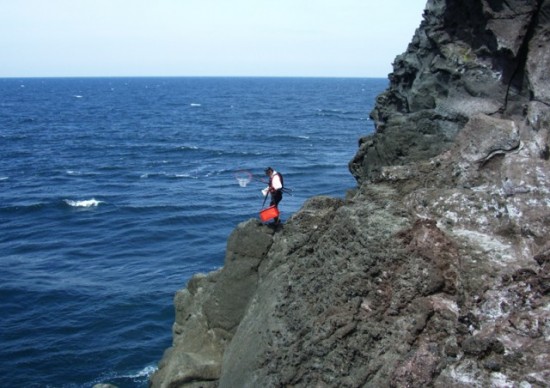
(468, 58)
(435, 270)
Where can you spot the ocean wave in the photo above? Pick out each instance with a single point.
(206, 152)
(23, 207)
(347, 115)
(145, 372)
(4, 178)
(139, 378)
(30, 206)
(283, 138)
(83, 203)
(169, 176)
(82, 173)
(322, 110)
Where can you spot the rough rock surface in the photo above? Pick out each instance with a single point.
(435, 271)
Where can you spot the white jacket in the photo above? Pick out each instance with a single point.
(276, 183)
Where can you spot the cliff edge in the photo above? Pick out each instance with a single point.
(434, 271)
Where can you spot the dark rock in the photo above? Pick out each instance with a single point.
(492, 365)
(466, 58)
(543, 256)
(210, 308)
(476, 346)
(246, 247)
(481, 346)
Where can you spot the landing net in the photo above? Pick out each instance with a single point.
(243, 178)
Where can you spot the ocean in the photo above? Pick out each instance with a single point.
(115, 191)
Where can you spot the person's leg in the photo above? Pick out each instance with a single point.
(276, 197)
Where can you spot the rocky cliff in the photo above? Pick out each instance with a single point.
(435, 270)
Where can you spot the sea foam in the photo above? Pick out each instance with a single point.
(84, 203)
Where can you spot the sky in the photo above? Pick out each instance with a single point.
(280, 38)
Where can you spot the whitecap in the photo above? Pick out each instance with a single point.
(145, 372)
(136, 377)
(194, 104)
(84, 203)
(77, 96)
(4, 178)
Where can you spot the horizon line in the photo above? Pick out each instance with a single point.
(186, 76)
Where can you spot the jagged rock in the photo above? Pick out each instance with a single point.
(484, 137)
(434, 270)
(210, 308)
(467, 57)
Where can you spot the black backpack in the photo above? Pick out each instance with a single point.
(282, 180)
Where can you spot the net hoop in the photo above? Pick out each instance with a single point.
(243, 177)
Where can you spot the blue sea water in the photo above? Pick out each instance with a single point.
(115, 191)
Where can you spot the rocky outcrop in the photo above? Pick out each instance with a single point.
(467, 58)
(435, 270)
(209, 310)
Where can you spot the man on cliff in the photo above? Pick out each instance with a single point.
(275, 188)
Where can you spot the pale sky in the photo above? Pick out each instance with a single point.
(304, 38)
